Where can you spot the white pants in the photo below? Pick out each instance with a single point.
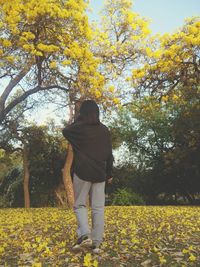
(96, 193)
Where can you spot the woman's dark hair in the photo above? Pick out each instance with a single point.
(89, 112)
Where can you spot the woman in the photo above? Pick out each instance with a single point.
(91, 169)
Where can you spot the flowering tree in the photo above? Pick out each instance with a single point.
(45, 45)
(172, 63)
(49, 45)
(166, 110)
(119, 43)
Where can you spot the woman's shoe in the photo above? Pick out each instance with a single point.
(83, 241)
(96, 249)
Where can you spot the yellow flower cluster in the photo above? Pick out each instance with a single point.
(88, 261)
(138, 73)
(174, 50)
(123, 34)
(28, 35)
(53, 65)
(59, 21)
(48, 48)
(57, 31)
(5, 42)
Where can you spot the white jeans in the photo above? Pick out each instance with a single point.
(96, 193)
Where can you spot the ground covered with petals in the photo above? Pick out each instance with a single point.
(134, 236)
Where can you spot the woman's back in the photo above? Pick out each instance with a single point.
(92, 149)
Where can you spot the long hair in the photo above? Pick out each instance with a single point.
(89, 112)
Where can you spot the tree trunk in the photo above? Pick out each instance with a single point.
(26, 178)
(66, 170)
(60, 201)
(189, 198)
(61, 196)
(67, 177)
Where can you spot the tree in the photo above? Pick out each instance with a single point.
(46, 154)
(161, 125)
(171, 75)
(119, 43)
(44, 46)
(113, 46)
(55, 43)
(172, 63)
(44, 158)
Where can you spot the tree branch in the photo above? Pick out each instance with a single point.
(25, 95)
(30, 92)
(11, 85)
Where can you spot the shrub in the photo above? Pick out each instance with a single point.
(11, 189)
(3, 202)
(126, 197)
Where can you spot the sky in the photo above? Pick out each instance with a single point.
(166, 15)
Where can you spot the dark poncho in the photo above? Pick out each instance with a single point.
(92, 148)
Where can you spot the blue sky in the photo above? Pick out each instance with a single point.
(166, 15)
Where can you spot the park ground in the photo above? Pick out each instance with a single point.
(134, 236)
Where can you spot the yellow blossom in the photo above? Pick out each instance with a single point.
(6, 43)
(192, 257)
(162, 260)
(185, 251)
(66, 62)
(53, 65)
(116, 100)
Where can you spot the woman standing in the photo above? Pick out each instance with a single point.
(91, 169)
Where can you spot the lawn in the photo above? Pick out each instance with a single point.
(134, 236)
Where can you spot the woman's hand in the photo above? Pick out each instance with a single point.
(110, 180)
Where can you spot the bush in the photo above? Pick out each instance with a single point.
(11, 189)
(3, 202)
(126, 197)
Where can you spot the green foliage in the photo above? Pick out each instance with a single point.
(46, 155)
(164, 140)
(8, 161)
(126, 197)
(3, 201)
(15, 193)
(11, 189)
(46, 159)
